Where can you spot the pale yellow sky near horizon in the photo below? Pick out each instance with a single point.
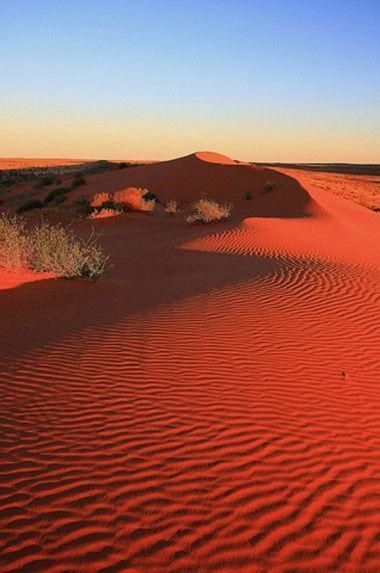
(108, 137)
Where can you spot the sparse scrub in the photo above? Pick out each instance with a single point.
(149, 196)
(49, 248)
(207, 211)
(99, 199)
(30, 205)
(12, 242)
(83, 206)
(171, 207)
(59, 192)
(269, 186)
(248, 195)
(132, 199)
(45, 182)
(78, 181)
(104, 212)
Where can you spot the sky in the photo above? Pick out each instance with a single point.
(257, 80)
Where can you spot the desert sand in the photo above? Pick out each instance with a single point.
(212, 403)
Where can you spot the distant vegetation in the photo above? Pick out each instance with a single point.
(49, 248)
(208, 211)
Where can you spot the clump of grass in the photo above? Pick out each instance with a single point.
(78, 181)
(30, 205)
(208, 211)
(248, 195)
(149, 196)
(12, 242)
(104, 212)
(269, 186)
(99, 199)
(45, 181)
(83, 207)
(49, 248)
(171, 207)
(133, 199)
(58, 193)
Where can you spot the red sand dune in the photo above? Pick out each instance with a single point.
(212, 403)
(202, 173)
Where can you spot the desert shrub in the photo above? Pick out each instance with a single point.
(82, 206)
(12, 242)
(132, 199)
(149, 196)
(269, 186)
(171, 207)
(30, 205)
(104, 212)
(248, 195)
(78, 181)
(207, 211)
(55, 249)
(49, 248)
(99, 198)
(59, 192)
(122, 165)
(45, 181)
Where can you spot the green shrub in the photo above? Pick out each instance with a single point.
(45, 182)
(78, 181)
(59, 192)
(30, 205)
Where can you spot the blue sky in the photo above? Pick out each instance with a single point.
(286, 80)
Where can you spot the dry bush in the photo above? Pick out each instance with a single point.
(207, 211)
(269, 186)
(171, 207)
(102, 213)
(99, 198)
(49, 248)
(12, 243)
(132, 198)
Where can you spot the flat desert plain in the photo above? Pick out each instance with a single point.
(212, 402)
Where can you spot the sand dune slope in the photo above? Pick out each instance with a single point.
(201, 173)
(211, 405)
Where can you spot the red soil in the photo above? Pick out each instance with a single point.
(212, 403)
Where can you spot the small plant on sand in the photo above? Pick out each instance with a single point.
(30, 205)
(171, 207)
(78, 181)
(99, 198)
(57, 195)
(207, 211)
(269, 186)
(55, 249)
(104, 212)
(49, 248)
(132, 199)
(248, 195)
(45, 182)
(12, 242)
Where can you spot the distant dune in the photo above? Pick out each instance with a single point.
(212, 403)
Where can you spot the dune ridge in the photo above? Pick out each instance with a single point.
(212, 404)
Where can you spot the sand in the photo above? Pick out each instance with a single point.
(209, 405)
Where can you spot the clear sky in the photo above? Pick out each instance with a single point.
(264, 80)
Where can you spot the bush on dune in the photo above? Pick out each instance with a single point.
(208, 211)
(132, 199)
(13, 243)
(30, 205)
(99, 198)
(49, 248)
(171, 207)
